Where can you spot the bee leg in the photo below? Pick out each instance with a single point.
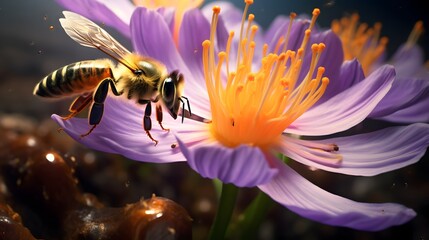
(147, 122)
(78, 105)
(159, 117)
(97, 106)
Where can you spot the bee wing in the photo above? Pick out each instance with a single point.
(88, 34)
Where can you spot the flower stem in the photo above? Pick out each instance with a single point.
(253, 216)
(249, 221)
(224, 211)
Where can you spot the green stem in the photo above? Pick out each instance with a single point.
(224, 212)
(248, 224)
(253, 216)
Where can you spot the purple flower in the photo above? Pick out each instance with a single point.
(269, 104)
(408, 99)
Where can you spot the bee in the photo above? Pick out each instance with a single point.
(137, 77)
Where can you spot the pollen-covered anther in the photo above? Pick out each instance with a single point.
(415, 33)
(248, 2)
(322, 47)
(251, 17)
(251, 77)
(316, 12)
(216, 9)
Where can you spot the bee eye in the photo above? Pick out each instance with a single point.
(168, 91)
(147, 69)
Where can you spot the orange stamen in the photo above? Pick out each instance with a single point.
(254, 106)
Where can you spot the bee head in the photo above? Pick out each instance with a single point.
(146, 68)
(171, 91)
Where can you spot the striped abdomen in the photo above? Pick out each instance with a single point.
(75, 78)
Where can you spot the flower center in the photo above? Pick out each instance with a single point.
(254, 106)
(180, 6)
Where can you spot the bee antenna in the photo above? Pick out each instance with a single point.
(183, 109)
(189, 105)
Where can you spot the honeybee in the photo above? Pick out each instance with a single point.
(137, 77)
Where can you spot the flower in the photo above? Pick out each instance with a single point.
(240, 143)
(364, 43)
(408, 99)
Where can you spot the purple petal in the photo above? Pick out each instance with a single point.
(365, 154)
(306, 199)
(408, 60)
(121, 131)
(230, 20)
(194, 30)
(232, 14)
(350, 74)
(346, 109)
(115, 14)
(168, 15)
(331, 59)
(279, 29)
(407, 102)
(243, 166)
(159, 44)
(151, 36)
(414, 113)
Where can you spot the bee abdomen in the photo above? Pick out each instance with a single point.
(74, 79)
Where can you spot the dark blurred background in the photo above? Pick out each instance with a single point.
(33, 44)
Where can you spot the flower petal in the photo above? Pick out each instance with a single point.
(306, 199)
(350, 74)
(279, 28)
(365, 154)
(414, 113)
(116, 13)
(243, 166)
(230, 20)
(159, 45)
(346, 109)
(331, 58)
(151, 36)
(406, 102)
(120, 131)
(194, 30)
(408, 60)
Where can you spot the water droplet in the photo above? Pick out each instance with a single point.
(89, 158)
(406, 185)
(39, 52)
(204, 205)
(50, 157)
(51, 27)
(45, 17)
(32, 43)
(31, 142)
